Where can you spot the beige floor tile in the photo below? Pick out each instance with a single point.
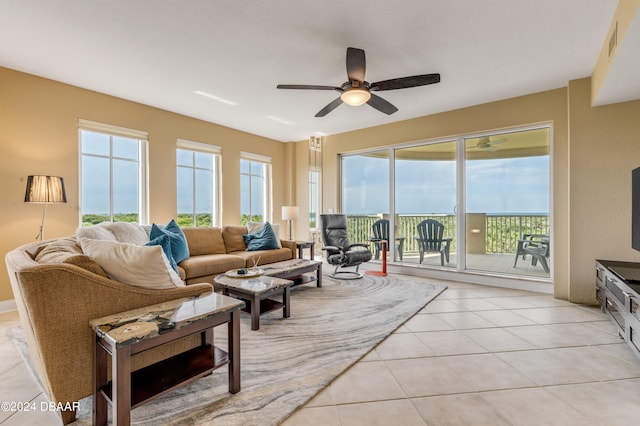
(9, 356)
(473, 305)
(543, 336)
(449, 343)
(404, 345)
(461, 409)
(456, 293)
(367, 381)
(463, 320)
(497, 340)
(487, 372)
(587, 333)
(534, 406)
(427, 377)
(620, 350)
(558, 315)
(505, 318)
(544, 369)
(372, 355)
(542, 301)
(426, 322)
(597, 363)
(608, 403)
(517, 302)
(326, 416)
(382, 413)
(17, 386)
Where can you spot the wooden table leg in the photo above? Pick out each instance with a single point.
(100, 405)
(234, 352)
(121, 386)
(319, 276)
(286, 297)
(255, 312)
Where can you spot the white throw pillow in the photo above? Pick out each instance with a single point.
(123, 232)
(141, 266)
(255, 227)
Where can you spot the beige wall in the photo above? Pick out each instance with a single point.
(604, 147)
(39, 135)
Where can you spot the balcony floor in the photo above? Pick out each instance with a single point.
(492, 263)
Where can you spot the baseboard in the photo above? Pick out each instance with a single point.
(8, 305)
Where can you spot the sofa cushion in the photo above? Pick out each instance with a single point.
(179, 247)
(265, 256)
(263, 240)
(142, 266)
(232, 235)
(210, 264)
(123, 232)
(66, 250)
(203, 240)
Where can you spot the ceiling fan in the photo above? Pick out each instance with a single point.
(485, 143)
(357, 91)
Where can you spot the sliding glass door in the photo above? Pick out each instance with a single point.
(476, 203)
(507, 203)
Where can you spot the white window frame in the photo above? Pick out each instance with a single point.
(110, 130)
(216, 152)
(267, 202)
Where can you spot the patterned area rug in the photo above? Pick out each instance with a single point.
(288, 361)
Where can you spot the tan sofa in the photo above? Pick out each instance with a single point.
(58, 290)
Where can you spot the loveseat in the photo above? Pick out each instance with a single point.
(58, 289)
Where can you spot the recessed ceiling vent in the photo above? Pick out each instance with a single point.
(613, 41)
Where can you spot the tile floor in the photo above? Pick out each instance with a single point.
(476, 355)
(488, 356)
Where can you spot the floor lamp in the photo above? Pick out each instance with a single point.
(45, 190)
(290, 213)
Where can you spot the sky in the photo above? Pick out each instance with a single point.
(512, 185)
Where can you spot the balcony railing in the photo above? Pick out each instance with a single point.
(502, 231)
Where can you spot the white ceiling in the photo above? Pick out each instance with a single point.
(159, 52)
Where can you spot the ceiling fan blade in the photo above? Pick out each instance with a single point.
(381, 105)
(333, 105)
(356, 64)
(406, 82)
(307, 87)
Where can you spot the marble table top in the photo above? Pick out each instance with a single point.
(254, 286)
(143, 323)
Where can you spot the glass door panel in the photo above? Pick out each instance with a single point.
(425, 197)
(507, 203)
(365, 192)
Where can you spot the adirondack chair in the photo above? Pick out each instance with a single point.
(431, 240)
(381, 233)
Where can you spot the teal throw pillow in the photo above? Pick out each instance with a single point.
(165, 242)
(265, 239)
(179, 247)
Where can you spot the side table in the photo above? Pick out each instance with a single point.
(301, 245)
(128, 333)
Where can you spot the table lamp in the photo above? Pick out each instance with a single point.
(290, 213)
(45, 190)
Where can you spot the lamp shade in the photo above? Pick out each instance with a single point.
(45, 189)
(290, 212)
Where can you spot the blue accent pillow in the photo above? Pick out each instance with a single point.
(265, 239)
(165, 242)
(179, 247)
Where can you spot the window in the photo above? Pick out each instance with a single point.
(255, 188)
(112, 174)
(198, 185)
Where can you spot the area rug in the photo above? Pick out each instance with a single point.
(288, 361)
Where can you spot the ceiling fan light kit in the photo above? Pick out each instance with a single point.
(357, 91)
(355, 96)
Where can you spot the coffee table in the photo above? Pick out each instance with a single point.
(300, 271)
(257, 293)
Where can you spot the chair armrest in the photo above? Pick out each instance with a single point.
(333, 248)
